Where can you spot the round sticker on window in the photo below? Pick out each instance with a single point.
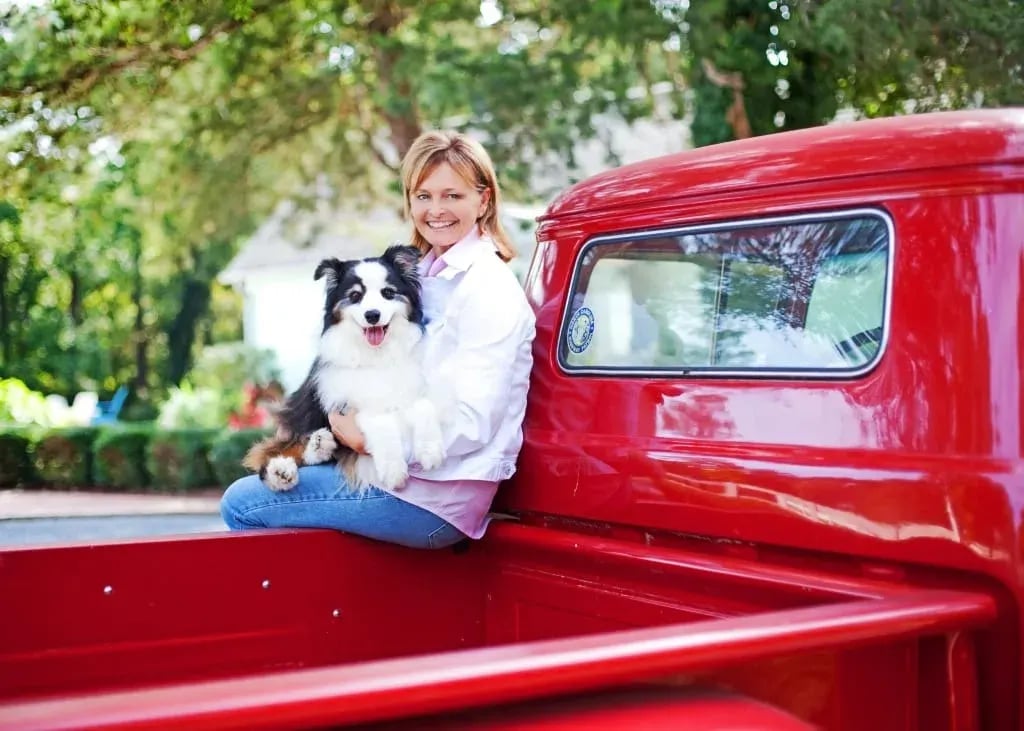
(581, 329)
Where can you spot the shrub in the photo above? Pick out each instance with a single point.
(196, 408)
(15, 458)
(177, 459)
(227, 452)
(21, 405)
(138, 409)
(227, 367)
(119, 456)
(63, 457)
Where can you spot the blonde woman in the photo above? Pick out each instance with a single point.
(477, 344)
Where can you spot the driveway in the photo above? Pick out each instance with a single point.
(36, 517)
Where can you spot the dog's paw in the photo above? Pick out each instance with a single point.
(320, 448)
(429, 453)
(282, 474)
(391, 473)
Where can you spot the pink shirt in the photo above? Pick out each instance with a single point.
(487, 442)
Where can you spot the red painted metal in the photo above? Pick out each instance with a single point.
(648, 709)
(848, 551)
(916, 467)
(932, 142)
(690, 614)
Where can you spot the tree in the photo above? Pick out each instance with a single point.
(923, 55)
(207, 114)
(764, 66)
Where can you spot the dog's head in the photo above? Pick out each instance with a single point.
(371, 293)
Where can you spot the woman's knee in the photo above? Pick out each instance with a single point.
(237, 499)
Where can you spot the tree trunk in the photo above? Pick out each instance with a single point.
(736, 114)
(181, 335)
(76, 297)
(399, 110)
(141, 380)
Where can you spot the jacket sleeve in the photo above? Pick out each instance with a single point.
(486, 365)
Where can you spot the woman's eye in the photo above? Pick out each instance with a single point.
(388, 293)
(422, 197)
(454, 196)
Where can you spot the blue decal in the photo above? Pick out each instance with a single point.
(581, 329)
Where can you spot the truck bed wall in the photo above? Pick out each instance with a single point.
(127, 617)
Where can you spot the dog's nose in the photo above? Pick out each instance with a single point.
(372, 316)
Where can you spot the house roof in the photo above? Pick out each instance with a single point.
(294, 237)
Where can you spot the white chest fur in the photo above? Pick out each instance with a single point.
(381, 389)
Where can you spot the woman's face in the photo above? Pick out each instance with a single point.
(445, 207)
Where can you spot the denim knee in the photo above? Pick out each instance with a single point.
(232, 502)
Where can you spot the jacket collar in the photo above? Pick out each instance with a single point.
(461, 255)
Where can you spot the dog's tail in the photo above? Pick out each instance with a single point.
(260, 454)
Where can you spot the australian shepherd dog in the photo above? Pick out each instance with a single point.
(367, 362)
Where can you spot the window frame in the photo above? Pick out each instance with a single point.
(716, 372)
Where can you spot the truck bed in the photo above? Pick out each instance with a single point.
(307, 628)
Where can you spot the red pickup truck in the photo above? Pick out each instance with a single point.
(772, 479)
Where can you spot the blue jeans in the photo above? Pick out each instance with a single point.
(322, 499)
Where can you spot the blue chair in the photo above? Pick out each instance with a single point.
(107, 411)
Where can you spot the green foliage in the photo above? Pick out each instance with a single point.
(227, 451)
(63, 457)
(178, 459)
(785, 74)
(119, 456)
(215, 387)
(138, 409)
(932, 55)
(229, 366)
(15, 458)
(196, 408)
(21, 405)
(799, 62)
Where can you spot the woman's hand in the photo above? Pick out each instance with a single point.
(347, 432)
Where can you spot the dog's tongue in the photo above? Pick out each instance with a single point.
(374, 335)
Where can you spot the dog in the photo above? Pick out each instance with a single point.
(367, 361)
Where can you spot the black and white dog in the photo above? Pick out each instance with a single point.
(368, 362)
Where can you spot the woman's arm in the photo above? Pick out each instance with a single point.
(489, 365)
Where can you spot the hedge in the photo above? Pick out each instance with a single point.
(227, 451)
(63, 457)
(179, 458)
(123, 456)
(15, 459)
(119, 456)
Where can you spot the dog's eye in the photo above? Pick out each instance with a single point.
(388, 293)
(354, 296)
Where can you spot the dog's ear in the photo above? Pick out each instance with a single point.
(332, 268)
(404, 259)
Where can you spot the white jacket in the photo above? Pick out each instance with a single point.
(477, 346)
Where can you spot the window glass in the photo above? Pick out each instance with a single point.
(791, 295)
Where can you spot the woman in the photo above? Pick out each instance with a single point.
(477, 342)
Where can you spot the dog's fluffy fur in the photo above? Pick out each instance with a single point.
(367, 362)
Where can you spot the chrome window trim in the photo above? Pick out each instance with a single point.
(754, 373)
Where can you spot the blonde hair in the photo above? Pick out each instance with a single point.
(471, 162)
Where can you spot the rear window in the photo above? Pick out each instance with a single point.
(797, 295)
